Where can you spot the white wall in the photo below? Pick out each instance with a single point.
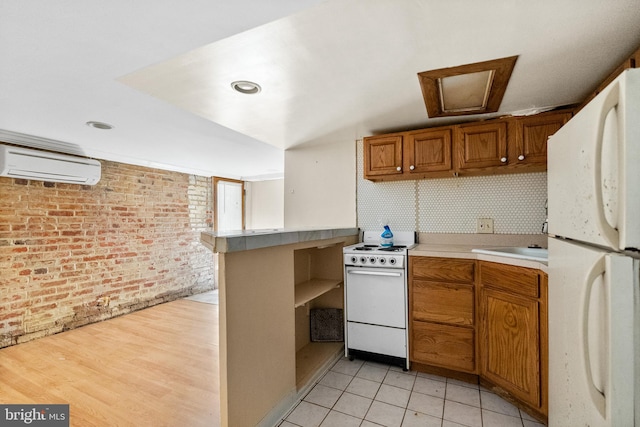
(320, 185)
(264, 204)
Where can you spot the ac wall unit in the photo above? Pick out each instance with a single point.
(17, 162)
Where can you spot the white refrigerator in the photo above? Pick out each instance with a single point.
(594, 263)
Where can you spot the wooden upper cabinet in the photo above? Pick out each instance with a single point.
(428, 151)
(481, 145)
(497, 146)
(382, 155)
(531, 135)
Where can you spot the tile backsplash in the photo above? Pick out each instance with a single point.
(453, 205)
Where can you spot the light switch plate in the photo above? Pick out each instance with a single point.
(485, 226)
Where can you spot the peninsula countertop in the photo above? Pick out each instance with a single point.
(243, 240)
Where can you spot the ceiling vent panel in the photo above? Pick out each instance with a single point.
(467, 89)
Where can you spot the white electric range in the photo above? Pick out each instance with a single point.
(376, 298)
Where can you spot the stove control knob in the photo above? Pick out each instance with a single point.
(392, 261)
(354, 259)
(382, 261)
(372, 260)
(363, 260)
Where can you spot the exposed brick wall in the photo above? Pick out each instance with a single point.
(72, 255)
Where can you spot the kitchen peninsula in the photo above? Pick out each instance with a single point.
(268, 281)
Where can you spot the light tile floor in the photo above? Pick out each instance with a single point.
(369, 394)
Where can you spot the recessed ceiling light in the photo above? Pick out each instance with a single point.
(246, 87)
(99, 125)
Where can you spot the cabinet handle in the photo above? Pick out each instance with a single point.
(399, 169)
(412, 167)
(503, 160)
(521, 157)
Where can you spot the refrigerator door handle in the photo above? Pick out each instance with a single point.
(610, 102)
(597, 396)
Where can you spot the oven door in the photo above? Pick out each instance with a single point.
(376, 296)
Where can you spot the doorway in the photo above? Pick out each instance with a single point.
(229, 204)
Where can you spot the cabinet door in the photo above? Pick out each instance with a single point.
(531, 136)
(481, 145)
(382, 155)
(510, 350)
(428, 151)
(544, 344)
(451, 347)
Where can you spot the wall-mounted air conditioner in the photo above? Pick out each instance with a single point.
(18, 162)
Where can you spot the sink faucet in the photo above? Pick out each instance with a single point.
(545, 224)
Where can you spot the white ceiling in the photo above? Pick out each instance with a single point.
(331, 71)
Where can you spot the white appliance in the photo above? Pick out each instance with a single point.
(17, 162)
(376, 318)
(594, 263)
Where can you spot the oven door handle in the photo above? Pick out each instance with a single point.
(375, 273)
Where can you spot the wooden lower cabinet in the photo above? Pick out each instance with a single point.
(482, 318)
(513, 323)
(442, 313)
(510, 349)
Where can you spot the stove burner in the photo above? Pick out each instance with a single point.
(363, 248)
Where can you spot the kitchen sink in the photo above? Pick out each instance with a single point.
(533, 254)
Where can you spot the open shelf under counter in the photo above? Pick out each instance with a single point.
(312, 289)
(313, 358)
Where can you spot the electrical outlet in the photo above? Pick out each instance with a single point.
(485, 225)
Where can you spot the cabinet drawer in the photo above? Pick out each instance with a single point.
(449, 270)
(443, 302)
(451, 347)
(519, 280)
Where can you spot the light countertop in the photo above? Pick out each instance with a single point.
(243, 240)
(464, 251)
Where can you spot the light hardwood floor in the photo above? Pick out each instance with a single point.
(154, 367)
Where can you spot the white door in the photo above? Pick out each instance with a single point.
(592, 303)
(229, 205)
